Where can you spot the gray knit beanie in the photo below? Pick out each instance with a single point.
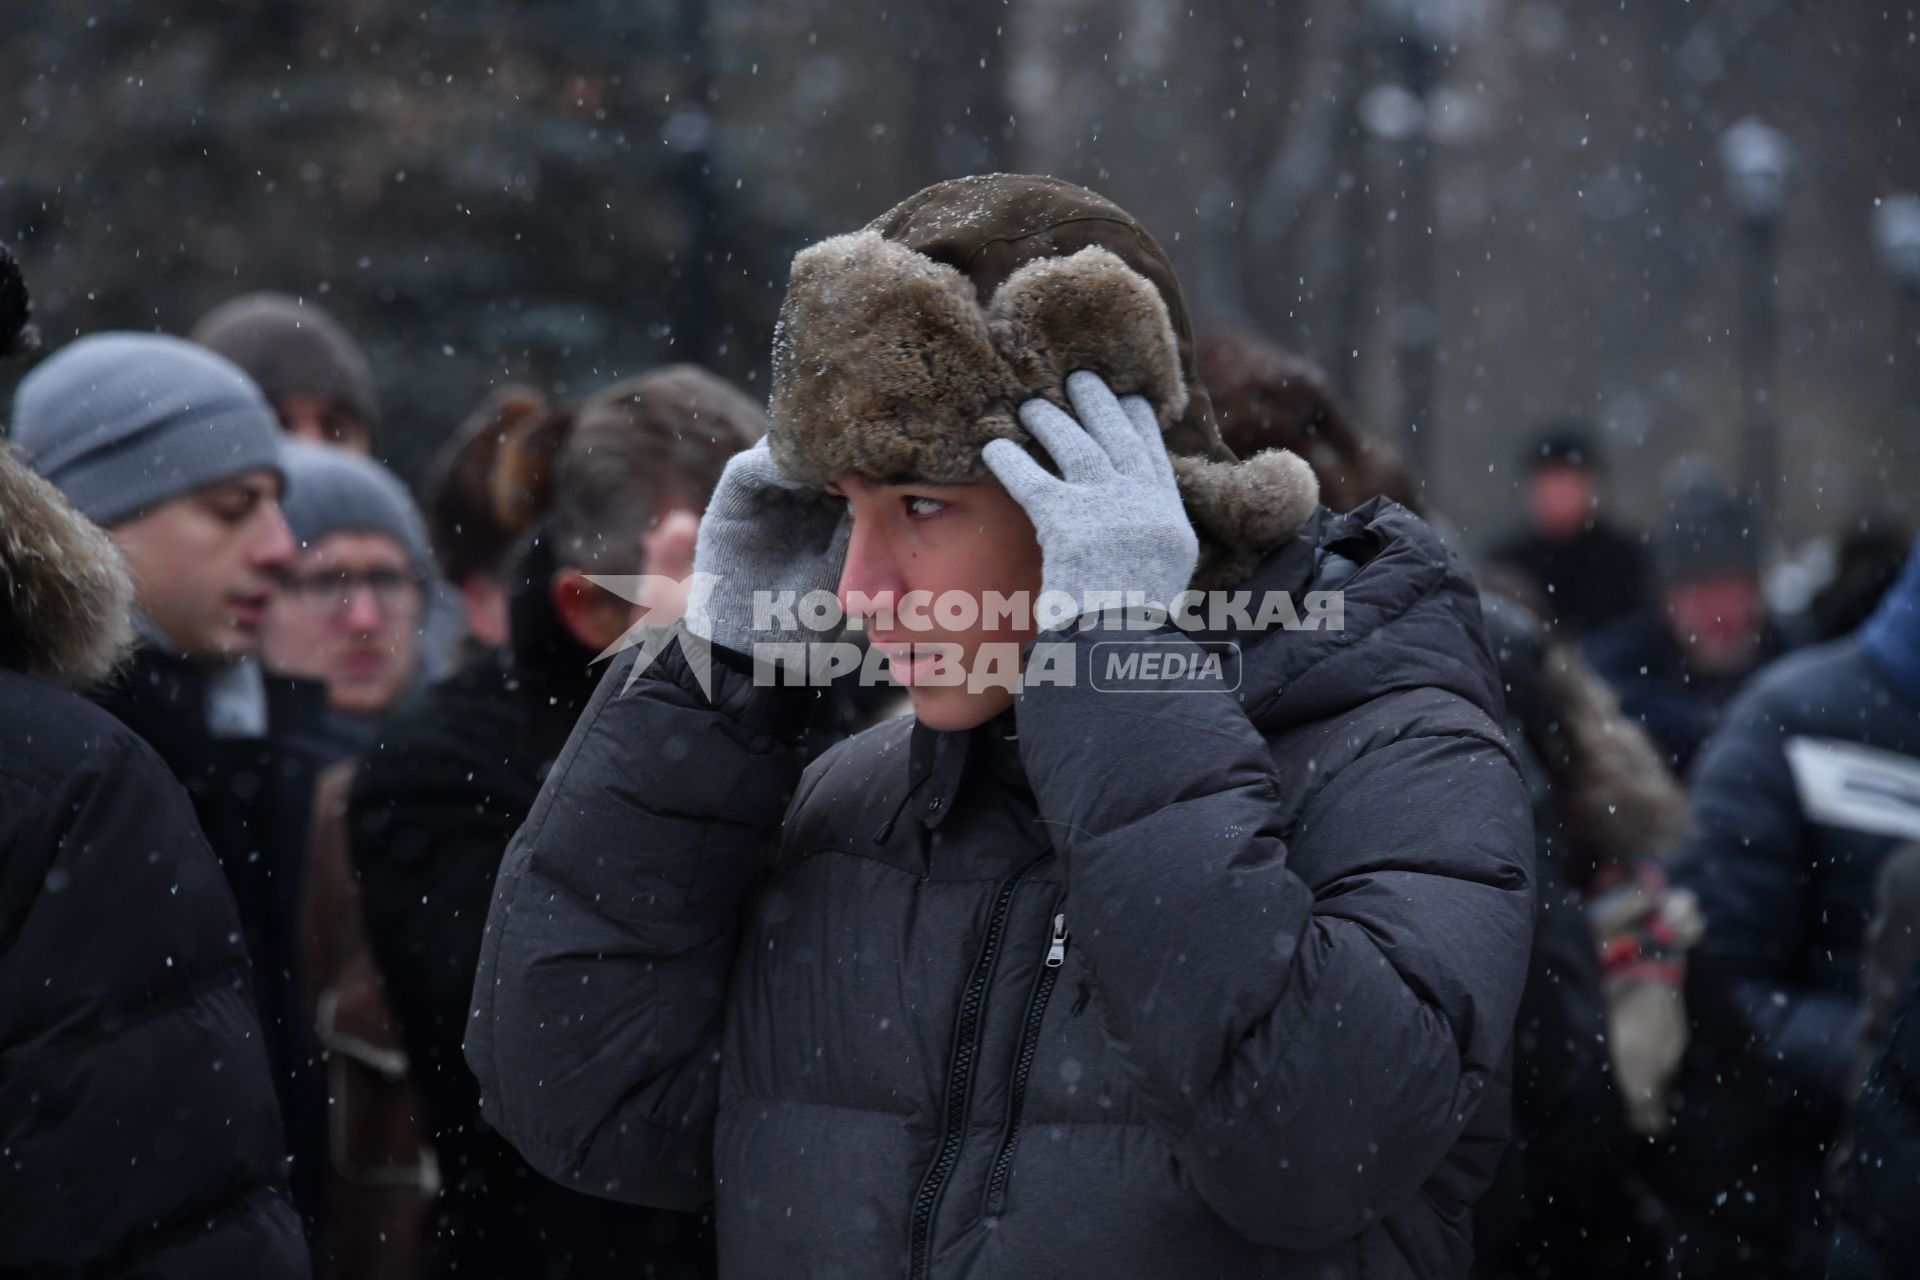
(291, 347)
(123, 422)
(330, 490)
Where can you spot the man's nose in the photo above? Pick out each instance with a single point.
(274, 546)
(870, 582)
(362, 614)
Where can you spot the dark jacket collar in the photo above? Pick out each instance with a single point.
(552, 674)
(163, 698)
(1411, 619)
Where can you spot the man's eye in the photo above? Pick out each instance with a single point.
(924, 507)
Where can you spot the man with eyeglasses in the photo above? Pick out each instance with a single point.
(176, 453)
(352, 602)
(349, 613)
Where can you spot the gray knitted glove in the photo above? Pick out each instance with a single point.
(762, 532)
(1112, 521)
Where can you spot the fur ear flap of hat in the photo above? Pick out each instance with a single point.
(66, 600)
(1089, 310)
(886, 366)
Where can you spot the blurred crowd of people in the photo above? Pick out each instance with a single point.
(268, 721)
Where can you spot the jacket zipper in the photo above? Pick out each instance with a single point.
(1023, 1063)
(966, 1048)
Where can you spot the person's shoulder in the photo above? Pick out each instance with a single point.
(854, 775)
(1515, 545)
(871, 747)
(1809, 688)
(49, 732)
(473, 705)
(463, 735)
(58, 748)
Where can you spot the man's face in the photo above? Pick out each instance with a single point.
(1560, 500)
(204, 565)
(323, 420)
(349, 614)
(968, 540)
(1718, 622)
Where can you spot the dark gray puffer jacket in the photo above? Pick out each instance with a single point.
(1159, 983)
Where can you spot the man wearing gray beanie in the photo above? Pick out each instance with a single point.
(175, 451)
(353, 606)
(351, 613)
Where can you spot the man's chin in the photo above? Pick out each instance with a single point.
(955, 710)
(228, 643)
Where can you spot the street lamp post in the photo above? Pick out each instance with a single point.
(689, 135)
(1415, 31)
(1756, 158)
(1896, 235)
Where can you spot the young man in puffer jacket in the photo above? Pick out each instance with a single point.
(1188, 977)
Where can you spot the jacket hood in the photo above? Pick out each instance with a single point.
(65, 598)
(1409, 619)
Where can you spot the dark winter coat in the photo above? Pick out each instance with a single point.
(1149, 983)
(254, 799)
(436, 800)
(1566, 1201)
(1659, 690)
(1784, 866)
(1878, 1172)
(1878, 1236)
(1582, 583)
(139, 1133)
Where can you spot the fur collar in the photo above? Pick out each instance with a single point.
(65, 598)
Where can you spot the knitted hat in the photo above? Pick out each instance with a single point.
(1707, 531)
(123, 422)
(331, 490)
(291, 347)
(1566, 443)
(903, 349)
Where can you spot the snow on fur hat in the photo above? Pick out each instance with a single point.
(904, 348)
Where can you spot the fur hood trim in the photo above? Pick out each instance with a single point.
(886, 366)
(66, 601)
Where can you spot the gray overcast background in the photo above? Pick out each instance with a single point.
(573, 190)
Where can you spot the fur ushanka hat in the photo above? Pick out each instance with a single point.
(904, 348)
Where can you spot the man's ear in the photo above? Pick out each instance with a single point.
(669, 546)
(582, 608)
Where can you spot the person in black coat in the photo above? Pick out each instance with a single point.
(1580, 572)
(1799, 799)
(614, 488)
(1184, 977)
(1678, 662)
(1877, 1227)
(176, 454)
(137, 1115)
(1569, 1201)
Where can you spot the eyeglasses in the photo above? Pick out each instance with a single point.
(332, 591)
